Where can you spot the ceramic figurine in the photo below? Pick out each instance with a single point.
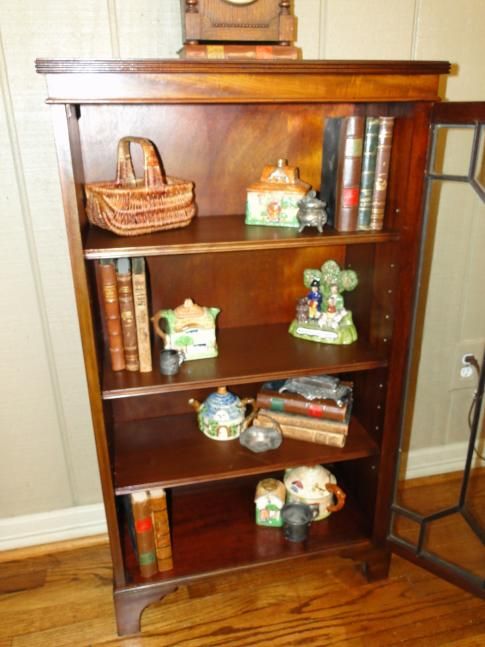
(269, 499)
(324, 317)
(222, 414)
(315, 486)
(311, 212)
(275, 198)
(191, 329)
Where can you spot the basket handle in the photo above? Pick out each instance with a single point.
(125, 175)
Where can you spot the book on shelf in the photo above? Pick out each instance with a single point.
(383, 156)
(328, 181)
(348, 173)
(140, 298)
(244, 52)
(269, 397)
(301, 428)
(111, 311)
(145, 539)
(368, 172)
(161, 528)
(127, 313)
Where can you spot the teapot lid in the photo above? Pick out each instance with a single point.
(280, 178)
(308, 482)
(189, 314)
(220, 399)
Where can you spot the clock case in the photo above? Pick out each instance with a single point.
(226, 21)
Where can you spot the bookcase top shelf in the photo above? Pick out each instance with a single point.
(183, 81)
(220, 234)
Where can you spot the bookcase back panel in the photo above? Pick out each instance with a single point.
(222, 148)
(250, 289)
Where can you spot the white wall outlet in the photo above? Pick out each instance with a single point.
(465, 375)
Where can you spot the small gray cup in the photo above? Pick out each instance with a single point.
(170, 361)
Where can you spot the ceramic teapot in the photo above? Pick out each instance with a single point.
(222, 415)
(316, 487)
(190, 328)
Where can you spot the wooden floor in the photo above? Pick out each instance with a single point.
(55, 596)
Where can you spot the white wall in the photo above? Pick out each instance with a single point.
(48, 461)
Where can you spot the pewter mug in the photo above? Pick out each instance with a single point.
(170, 361)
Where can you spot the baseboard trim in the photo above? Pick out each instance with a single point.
(90, 520)
(54, 526)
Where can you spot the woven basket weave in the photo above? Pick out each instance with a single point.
(130, 206)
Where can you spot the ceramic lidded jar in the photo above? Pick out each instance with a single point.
(222, 415)
(273, 200)
(316, 487)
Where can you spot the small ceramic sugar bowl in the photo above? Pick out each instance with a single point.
(316, 487)
(222, 414)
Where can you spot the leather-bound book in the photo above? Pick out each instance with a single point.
(271, 399)
(328, 183)
(305, 434)
(111, 312)
(127, 313)
(161, 528)
(383, 156)
(305, 422)
(368, 172)
(140, 298)
(348, 177)
(145, 539)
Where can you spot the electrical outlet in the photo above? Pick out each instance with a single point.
(464, 374)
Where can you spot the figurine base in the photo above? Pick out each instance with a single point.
(344, 333)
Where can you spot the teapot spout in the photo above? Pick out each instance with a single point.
(195, 404)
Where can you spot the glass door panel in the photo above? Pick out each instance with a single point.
(438, 514)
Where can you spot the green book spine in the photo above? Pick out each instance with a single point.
(368, 172)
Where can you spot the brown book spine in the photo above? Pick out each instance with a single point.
(127, 312)
(227, 52)
(294, 403)
(318, 436)
(383, 156)
(306, 422)
(349, 171)
(145, 540)
(161, 528)
(140, 299)
(111, 311)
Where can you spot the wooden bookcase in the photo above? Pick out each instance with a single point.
(218, 124)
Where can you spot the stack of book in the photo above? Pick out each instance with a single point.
(124, 300)
(323, 421)
(149, 529)
(355, 171)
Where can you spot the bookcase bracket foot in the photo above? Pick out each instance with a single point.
(130, 604)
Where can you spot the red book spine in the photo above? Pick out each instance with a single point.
(111, 311)
(274, 401)
(145, 540)
(348, 178)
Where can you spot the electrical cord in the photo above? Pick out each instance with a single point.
(472, 360)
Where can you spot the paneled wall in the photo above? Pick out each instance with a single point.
(47, 460)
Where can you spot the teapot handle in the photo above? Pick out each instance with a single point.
(248, 402)
(155, 320)
(339, 493)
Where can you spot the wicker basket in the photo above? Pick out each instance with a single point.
(131, 206)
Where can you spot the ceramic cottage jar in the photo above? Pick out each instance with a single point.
(316, 487)
(274, 199)
(222, 414)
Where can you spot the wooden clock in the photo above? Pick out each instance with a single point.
(238, 21)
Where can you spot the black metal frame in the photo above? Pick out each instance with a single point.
(461, 508)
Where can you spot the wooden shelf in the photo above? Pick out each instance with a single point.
(213, 530)
(247, 355)
(220, 234)
(171, 451)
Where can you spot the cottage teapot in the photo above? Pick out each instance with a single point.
(222, 415)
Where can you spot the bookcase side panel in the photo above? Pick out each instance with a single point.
(70, 169)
